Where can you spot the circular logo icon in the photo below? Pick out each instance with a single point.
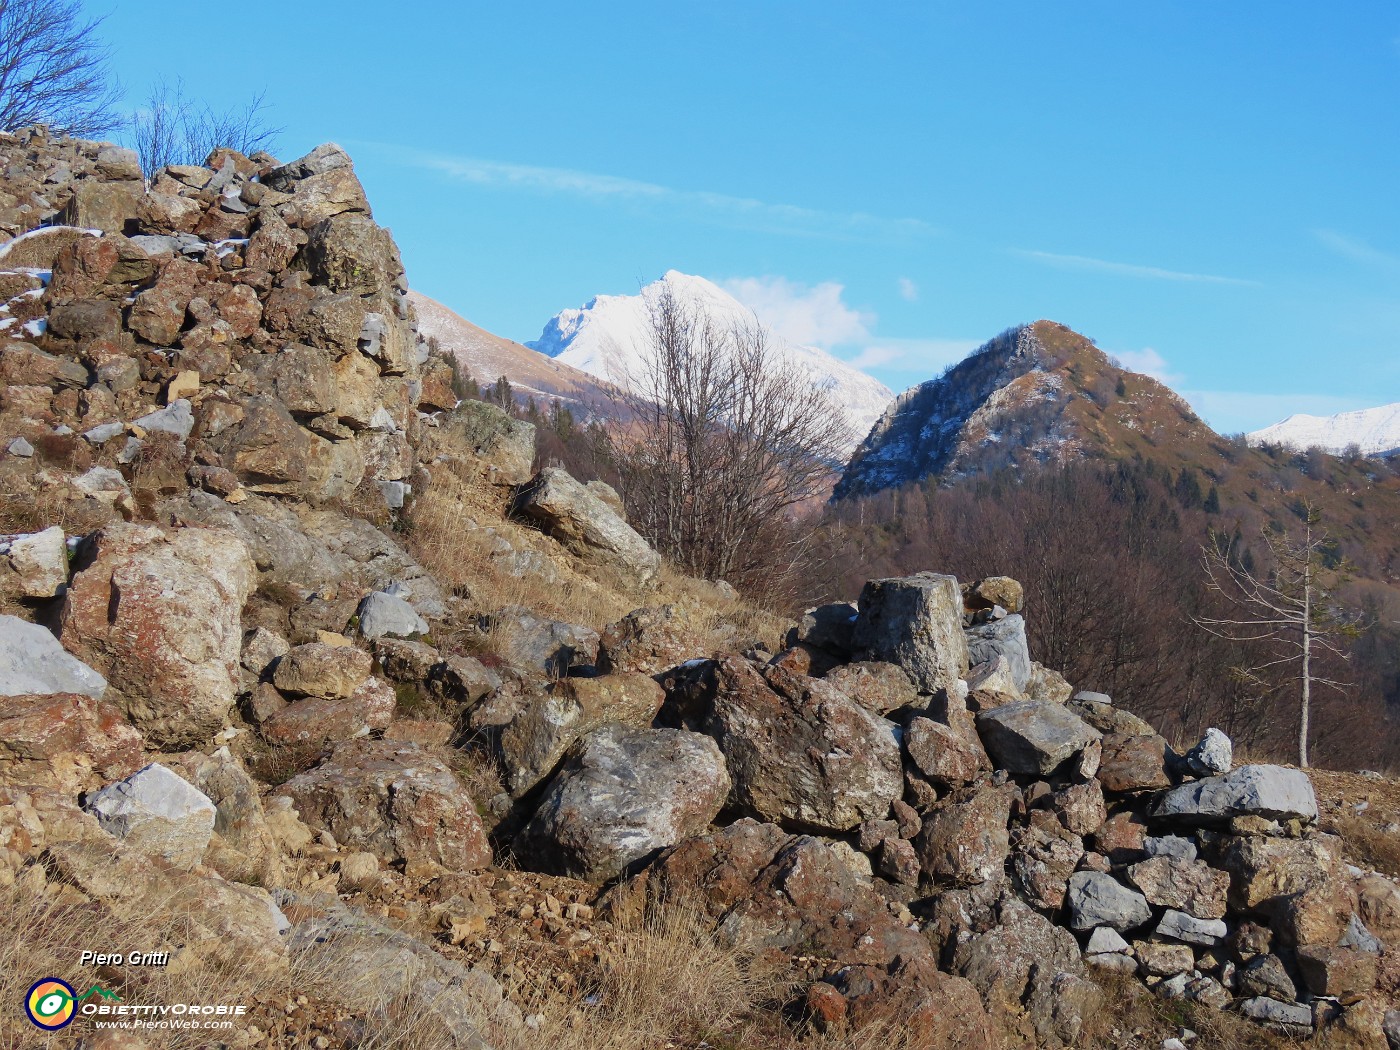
(50, 1004)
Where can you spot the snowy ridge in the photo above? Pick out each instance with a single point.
(1376, 431)
(609, 335)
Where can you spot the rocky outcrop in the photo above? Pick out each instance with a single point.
(916, 623)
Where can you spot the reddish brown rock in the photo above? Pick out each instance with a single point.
(396, 801)
(966, 842)
(944, 754)
(65, 740)
(1080, 807)
(1133, 763)
(322, 720)
(159, 613)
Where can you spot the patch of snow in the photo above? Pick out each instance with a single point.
(37, 327)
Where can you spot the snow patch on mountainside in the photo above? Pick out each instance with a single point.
(1376, 431)
(608, 337)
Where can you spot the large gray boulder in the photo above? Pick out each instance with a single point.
(1274, 792)
(1005, 637)
(385, 615)
(625, 795)
(1097, 899)
(587, 526)
(156, 812)
(915, 622)
(551, 647)
(801, 753)
(32, 663)
(1033, 737)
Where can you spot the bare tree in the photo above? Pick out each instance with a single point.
(1292, 609)
(727, 439)
(174, 128)
(53, 69)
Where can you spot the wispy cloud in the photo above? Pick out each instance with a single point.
(923, 358)
(810, 315)
(1156, 273)
(728, 209)
(908, 290)
(1356, 249)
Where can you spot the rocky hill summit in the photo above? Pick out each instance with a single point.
(1039, 393)
(313, 683)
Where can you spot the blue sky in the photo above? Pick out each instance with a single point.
(1212, 192)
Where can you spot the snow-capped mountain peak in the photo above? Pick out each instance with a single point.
(1376, 431)
(609, 336)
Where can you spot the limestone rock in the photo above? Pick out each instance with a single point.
(1033, 737)
(330, 672)
(1275, 792)
(384, 615)
(550, 647)
(1213, 756)
(915, 622)
(396, 801)
(156, 812)
(34, 565)
(800, 752)
(160, 613)
(1289, 1018)
(536, 740)
(1096, 899)
(623, 797)
(1005, 638)
(33, 663)
(1266, 975)
(587, 526)
(1178, 926)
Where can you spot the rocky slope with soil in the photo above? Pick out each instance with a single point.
(311, 681)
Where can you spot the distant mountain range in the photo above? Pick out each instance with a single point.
(1375, 431)
(608, 338)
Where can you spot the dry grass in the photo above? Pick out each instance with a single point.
(44, 934)
(665, 980)
(454, 528)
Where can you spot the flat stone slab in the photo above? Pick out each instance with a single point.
(33, 663)
(1033, 737)
(1274, 792)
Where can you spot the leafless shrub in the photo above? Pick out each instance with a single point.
(53, 69)
(174, 128)
(729, 439)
